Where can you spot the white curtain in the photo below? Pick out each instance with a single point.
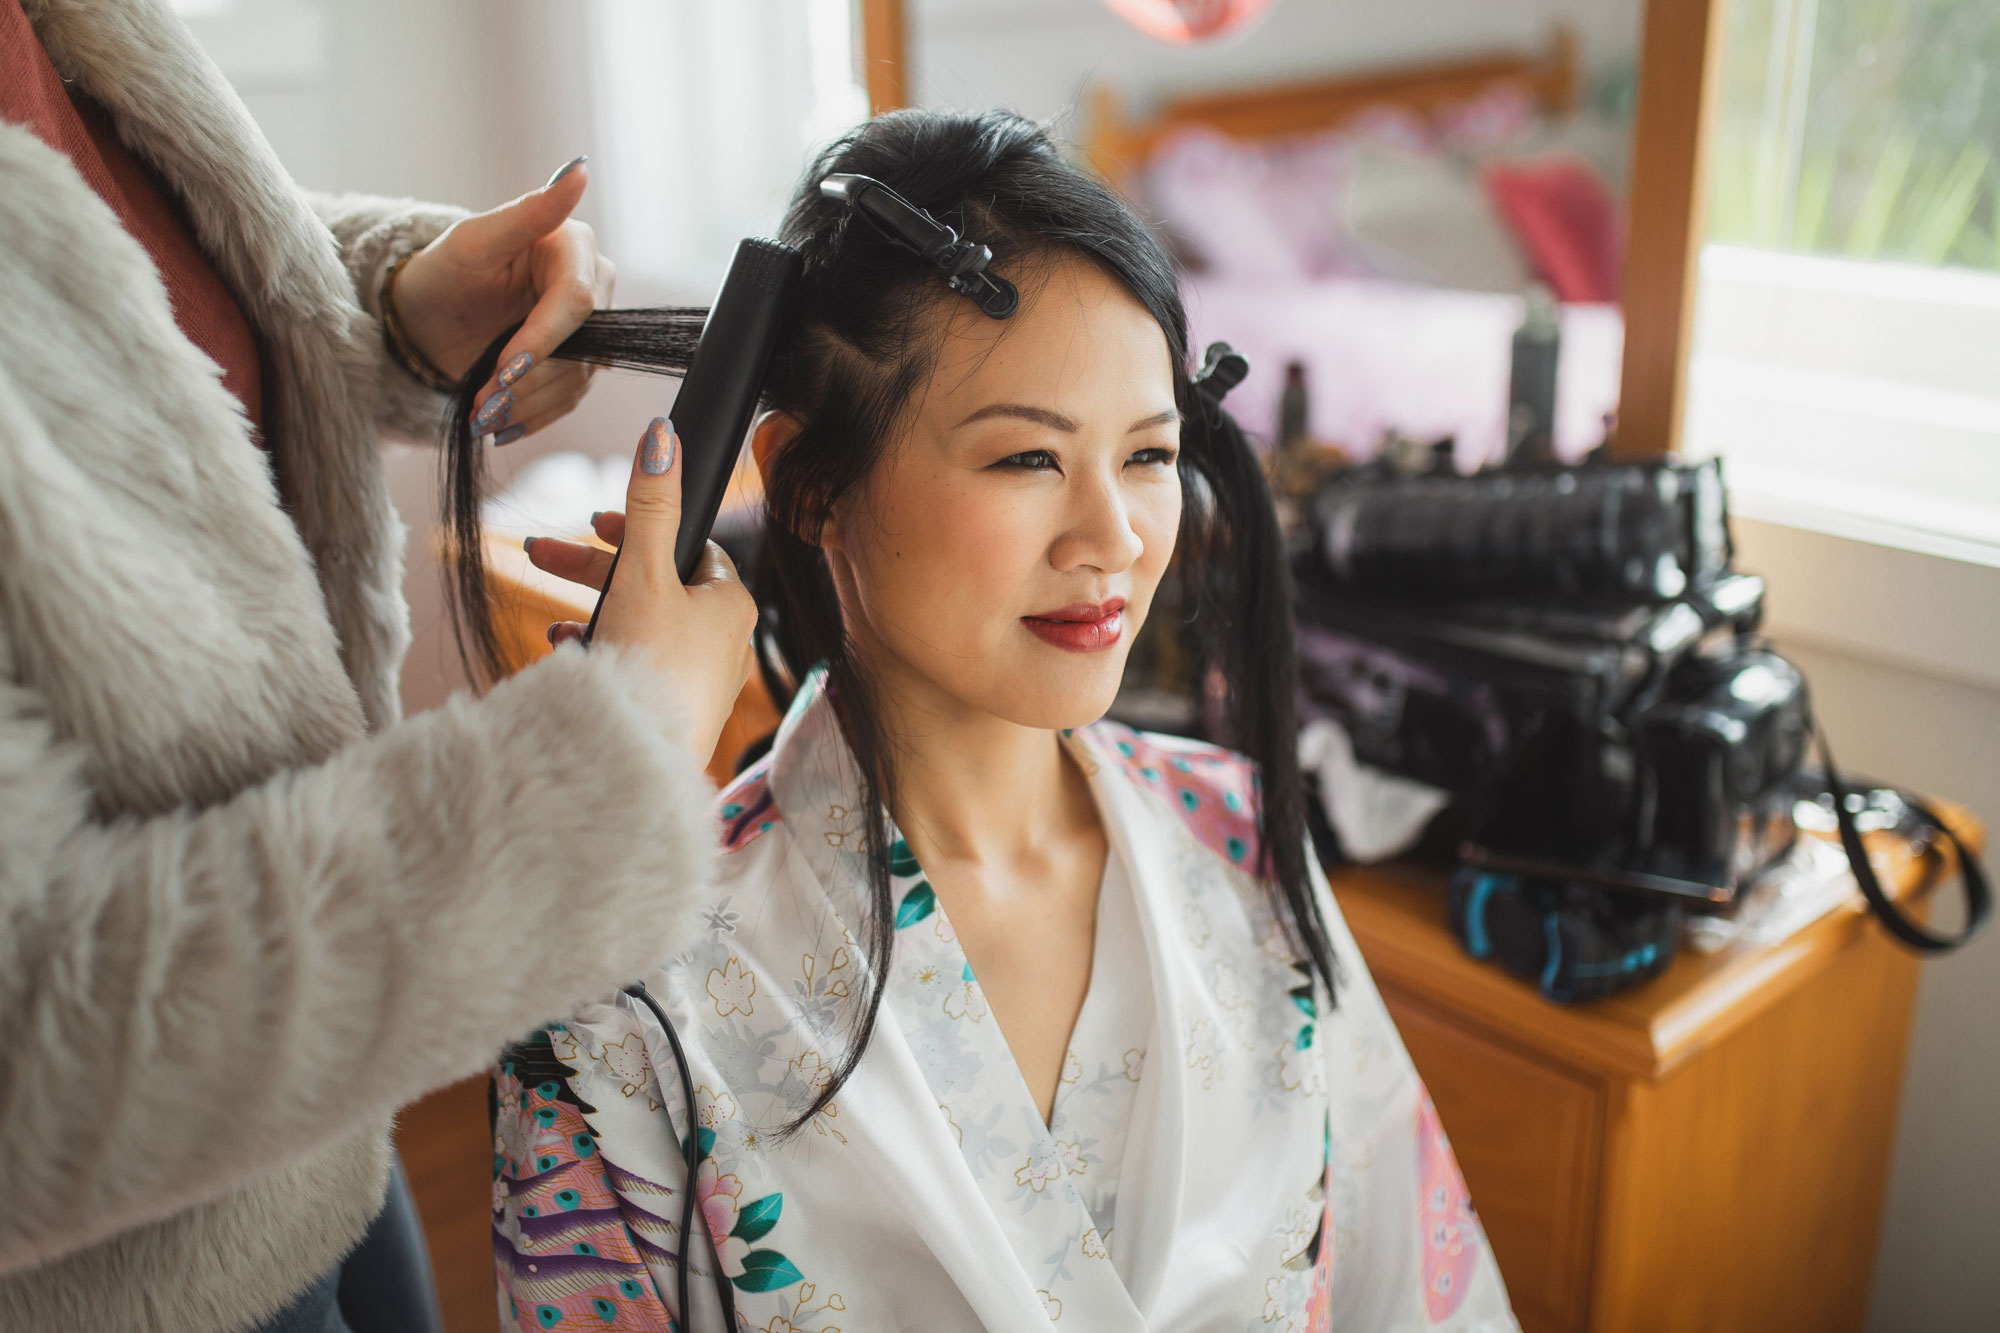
(706, 111)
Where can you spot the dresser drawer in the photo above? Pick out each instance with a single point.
(1528, 1136)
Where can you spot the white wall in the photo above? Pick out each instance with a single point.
(1035, 56)
(1902, 652)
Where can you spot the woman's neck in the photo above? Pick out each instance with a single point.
(974, 789)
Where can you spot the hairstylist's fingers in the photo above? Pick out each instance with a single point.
(500, 233)
(564, 264)
(568, 277)
(548, 394)
(653, 505)
(609, 525)
(569, 560)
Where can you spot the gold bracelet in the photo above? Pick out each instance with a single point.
(408, 355)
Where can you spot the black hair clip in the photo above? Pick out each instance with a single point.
(1222, 369)
(964, 262)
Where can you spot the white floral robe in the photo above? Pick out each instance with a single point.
(1226, 1151)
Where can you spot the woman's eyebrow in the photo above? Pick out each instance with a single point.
(1042, 416)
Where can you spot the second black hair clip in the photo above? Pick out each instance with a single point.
(1222, 369)
(965, 264)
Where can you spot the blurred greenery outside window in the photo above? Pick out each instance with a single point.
(1860, 128)
(1846, 358)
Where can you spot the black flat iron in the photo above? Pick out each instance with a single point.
(719, 395)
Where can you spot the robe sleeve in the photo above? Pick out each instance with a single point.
(1402, 1249)
(570, 1248)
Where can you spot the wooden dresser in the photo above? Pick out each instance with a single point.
(1706, 1152)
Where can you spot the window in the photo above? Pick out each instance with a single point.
(1846, 355)
(706, 111)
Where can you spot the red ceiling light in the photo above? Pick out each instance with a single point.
(1188, 21)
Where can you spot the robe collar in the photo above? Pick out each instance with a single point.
(814, 778)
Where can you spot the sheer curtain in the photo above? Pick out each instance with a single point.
(706, 111)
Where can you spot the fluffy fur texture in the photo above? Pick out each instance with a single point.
(229, 876)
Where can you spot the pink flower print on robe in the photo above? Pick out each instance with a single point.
(718, 1196)
(1452, 1236)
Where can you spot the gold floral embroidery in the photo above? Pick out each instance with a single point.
(732, 987)
(1201, 1051)
(1276, 1307)
(716, 1107)
(1301, 1224)
(1135, 1064)
(1050, 1305)
(1071, 1156)
(965, 1001)
(837, 836)
(626, 1059)
(1226, 984)
(812, 1070)
(1072, 1069)
(833, 984)
(1038, 1171)
(823, 1122)
(1093, 1245)
(803, 1310)
(565, 1045)
(956, 1133)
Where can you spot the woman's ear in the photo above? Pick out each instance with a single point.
(773, 431)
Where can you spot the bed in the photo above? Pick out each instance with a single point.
(1378, 230)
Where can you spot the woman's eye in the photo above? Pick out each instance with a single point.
(1156, 456)
(1033, 459)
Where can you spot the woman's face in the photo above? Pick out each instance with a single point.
(1005, 549)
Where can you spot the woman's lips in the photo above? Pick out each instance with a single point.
(1084, 627)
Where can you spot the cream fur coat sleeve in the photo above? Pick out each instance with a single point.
(234, 886)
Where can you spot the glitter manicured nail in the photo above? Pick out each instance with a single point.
(568, 167)
(494, 412)
(656, 453)
(510, 374)
(528, 544)
(509, 435)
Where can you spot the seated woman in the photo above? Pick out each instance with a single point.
(1001, 1014)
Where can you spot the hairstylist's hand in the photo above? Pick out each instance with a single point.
(527, 260)
(699, 634)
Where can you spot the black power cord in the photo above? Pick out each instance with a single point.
(691, 1154)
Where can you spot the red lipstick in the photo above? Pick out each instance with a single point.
(1082, 627)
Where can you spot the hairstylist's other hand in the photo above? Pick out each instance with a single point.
(528, 260)
(698, 633)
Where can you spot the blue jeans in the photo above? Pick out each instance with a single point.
(317, 1310)
(383, 1287)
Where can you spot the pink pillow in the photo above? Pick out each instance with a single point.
(1567, 222)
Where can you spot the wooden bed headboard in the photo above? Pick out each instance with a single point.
(1117, 147)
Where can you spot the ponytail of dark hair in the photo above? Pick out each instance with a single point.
(862, 342)
(1245, 636)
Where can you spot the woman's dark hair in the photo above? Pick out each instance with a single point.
(865, 337)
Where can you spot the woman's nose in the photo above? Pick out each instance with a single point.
(1100, 534)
